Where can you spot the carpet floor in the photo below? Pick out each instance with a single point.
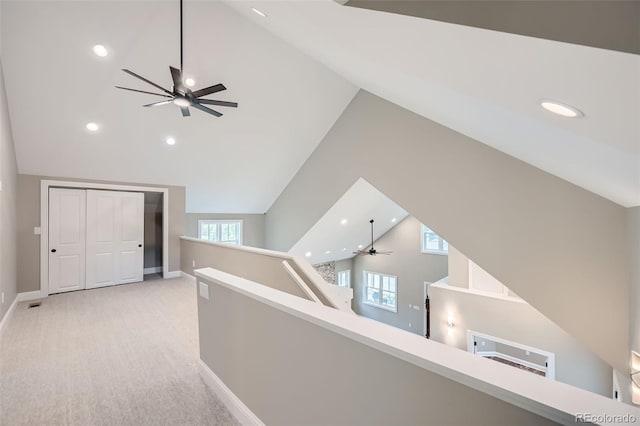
(123, 355)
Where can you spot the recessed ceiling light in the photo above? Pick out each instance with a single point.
(171, 141)
(308, 254)
(100, 50)
(561, 109)
(327, 252)
(360, 246)
(92, 127)
(190, 82)
(259, 12)
(344, 249)
(343, 222)
(394, 220)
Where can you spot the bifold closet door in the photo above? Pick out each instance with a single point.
(67, 222)
(115, 236)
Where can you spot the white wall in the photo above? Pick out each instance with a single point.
(534, 232)
(8, 177)
(512, 320)
(411, 267)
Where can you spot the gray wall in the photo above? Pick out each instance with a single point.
(253, 230)
(8, 175)
(616, 21)
(266, 270)
(324, 378)
(634, 299)
(521, 323)
(411, 267)
(153, 205)
(499, 211)
(29, 217)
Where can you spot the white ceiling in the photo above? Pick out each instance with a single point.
(237, 163)
(485, 84)
(482, 83)
(359, 204)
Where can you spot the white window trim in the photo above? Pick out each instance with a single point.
(348, 271)
(378, 305)
(221, 221)
(430, 251)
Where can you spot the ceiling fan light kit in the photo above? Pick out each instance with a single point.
(372, 251)
(181, 95)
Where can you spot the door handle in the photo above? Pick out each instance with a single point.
(53, 250)
(139, 245)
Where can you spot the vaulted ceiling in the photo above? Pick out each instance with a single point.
(293, 72)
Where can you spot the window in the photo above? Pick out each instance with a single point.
(221, 231)
(380, 290)
(344, 278)
(433, 243)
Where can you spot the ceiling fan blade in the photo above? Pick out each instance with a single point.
(220, 103)
(142, 91)
(383, 252)
(176, 75)
(146, 81)
(168, 101)
(205, 109)
(209, 90)
(185, 111)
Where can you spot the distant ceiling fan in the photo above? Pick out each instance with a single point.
(181, 95)
(371, 251)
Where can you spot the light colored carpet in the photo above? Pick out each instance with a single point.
(124, 355)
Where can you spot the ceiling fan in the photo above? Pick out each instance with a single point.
(371, 251)
(181, 95)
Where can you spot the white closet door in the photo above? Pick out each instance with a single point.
(131, 237)
(115, 235)
(67, 233)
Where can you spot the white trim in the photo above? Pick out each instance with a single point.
(172, 274)
(44, 220)
(432, 251)
(380, 290)
(6, 316)
(256, 250)
(241, 412)
(305, 288)
(188, 276)
(30, 295)
(551, 358)
(152, 270)
(552, 399)
(222, 221)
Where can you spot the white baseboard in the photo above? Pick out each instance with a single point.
(241, 412)
(153, 270)
(6, 316)
(30, 295)
(188, 276)
(174, 274)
